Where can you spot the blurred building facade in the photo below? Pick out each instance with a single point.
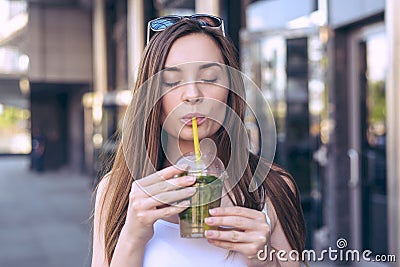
(53, 39)
(322, 65)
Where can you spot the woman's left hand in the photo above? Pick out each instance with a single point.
(251, 231)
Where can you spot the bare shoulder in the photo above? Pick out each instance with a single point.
(286, 177)
(98, 257)
(282, 194)
(284, 209)
(274, 171)
(101, 188)
(283, 179)
(100, 208)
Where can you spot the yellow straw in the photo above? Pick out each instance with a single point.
(196, 138)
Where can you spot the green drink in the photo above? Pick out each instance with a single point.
(209, 173)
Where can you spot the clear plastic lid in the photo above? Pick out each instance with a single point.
(208, 164)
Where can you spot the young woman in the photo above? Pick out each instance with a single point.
(136, 215)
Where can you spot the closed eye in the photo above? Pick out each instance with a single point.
(171, 84)
(210, 80)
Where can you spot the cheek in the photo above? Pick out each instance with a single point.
(168, 117)
(217, 110)
(168, 104)
(221, 104)
(222, 94)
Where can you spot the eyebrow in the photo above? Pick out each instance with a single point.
(209, 65)
(172, 69)
(202, 67)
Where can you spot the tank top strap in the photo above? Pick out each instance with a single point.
(266, 216)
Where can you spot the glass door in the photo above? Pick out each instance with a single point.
(287, 67)
(373, 51)
(367, 100)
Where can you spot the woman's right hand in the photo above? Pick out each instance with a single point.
(155, 197)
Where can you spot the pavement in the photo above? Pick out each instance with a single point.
(44, 218)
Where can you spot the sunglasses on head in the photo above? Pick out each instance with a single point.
(160, 24)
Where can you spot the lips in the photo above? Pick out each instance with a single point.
(187, 119)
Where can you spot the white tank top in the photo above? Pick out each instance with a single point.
(168, 249)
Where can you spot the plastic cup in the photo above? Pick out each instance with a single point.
(209, 172)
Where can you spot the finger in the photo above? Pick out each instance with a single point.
(234, 236)
(170, 185)
(238, 222)
(175, 196)
(161, 175)
(168, 211)
(167, 198)
(244, 248)
(237, 211)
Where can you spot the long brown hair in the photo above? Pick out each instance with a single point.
(139, 153)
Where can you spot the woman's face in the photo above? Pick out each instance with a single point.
(196, 85)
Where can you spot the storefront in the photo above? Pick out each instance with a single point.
(367, 104)
(325, 80)
(288, 63)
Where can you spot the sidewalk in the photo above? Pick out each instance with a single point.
(44, 217)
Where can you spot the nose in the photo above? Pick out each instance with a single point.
(191, 93)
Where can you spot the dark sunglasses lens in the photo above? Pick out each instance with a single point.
(208, 21)
(163, 23)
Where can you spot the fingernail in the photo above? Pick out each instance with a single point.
(212, 211)
(208, 220)
(184, 203)
(190, 179)
(208, 233)
(191, 190)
